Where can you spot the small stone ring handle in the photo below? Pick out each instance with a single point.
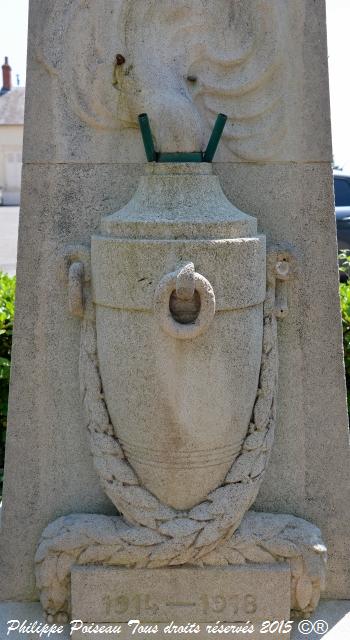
(185, 281)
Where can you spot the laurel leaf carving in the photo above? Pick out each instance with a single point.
(303, 591)
(151, 534)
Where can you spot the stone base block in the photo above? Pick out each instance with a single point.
(243, 595)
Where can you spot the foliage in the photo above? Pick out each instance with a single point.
(7, 308)
(344, 290)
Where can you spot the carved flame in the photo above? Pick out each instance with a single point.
(184, 63)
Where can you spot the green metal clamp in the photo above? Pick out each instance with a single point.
(181, 156)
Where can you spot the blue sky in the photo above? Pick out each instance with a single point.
(338, 29)
(13, 43)
(13, 36)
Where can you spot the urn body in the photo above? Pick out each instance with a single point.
(180, 406)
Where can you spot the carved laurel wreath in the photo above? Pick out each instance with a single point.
(216, 532)
(182, 536)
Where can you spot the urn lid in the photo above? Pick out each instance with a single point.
(179, 200)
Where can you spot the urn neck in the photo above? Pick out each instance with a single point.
(182, 200)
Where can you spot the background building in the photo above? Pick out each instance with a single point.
(11, 138)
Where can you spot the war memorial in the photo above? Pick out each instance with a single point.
(177, 459)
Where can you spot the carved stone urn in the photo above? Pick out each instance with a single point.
(179, 280)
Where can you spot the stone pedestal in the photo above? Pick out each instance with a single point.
(178, 596)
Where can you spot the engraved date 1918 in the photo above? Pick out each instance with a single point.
(244, 604)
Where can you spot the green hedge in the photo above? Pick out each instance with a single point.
(344, 290)
(7, 308)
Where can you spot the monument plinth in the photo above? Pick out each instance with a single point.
(182, 595)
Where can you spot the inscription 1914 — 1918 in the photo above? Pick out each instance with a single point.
(239, 605)
(235, 594)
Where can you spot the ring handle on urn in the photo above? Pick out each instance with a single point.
(187, 286)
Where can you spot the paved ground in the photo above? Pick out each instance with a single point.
(8, 238)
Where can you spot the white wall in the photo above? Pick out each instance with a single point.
(11, 142)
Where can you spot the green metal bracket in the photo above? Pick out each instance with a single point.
(181, 156)
(147, 137)
(214, 140)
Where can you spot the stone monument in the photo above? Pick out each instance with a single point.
(184, 311)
